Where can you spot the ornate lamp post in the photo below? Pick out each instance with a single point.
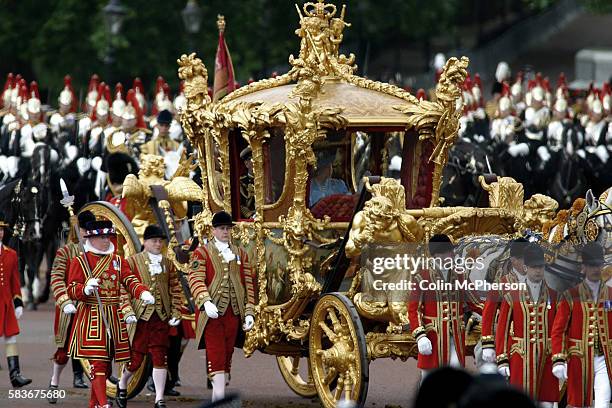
(114, 13)
(192, 18)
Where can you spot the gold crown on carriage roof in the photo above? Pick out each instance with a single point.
(320, 9)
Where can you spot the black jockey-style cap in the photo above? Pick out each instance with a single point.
(222, 218)
(533, 256)
(440, 244)
(164, 117)
(154, 231)
(517, 247)
(85, 217)
(99, 229)
(593, 254)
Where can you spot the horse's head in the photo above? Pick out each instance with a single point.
(31, 212)
(599, 220)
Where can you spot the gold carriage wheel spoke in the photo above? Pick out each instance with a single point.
(329, 332)
(339, 387)
(331, 374)
(331, 312)
(295, 366)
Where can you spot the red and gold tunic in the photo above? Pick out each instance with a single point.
(438, 314)
(209, 276)
(523, 341)
(582, 330)
(89, 339)
(59, 282)
(10, 291)
(492, 304)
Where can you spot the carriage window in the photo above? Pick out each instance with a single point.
(216, 173)
(375, 154)
(274, 166)
(392, 155)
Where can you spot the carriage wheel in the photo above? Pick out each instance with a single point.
(338, 356)
(297, 377)
(127, 244)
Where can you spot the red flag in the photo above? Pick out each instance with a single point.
(224, 70)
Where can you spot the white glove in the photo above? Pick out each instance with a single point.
(12, 163)
(174, 321)
(424, 345)
(520, 149)
(543, 153)
(488, 355)
(69, 309)
(131, 319)
(147, 298)
(71, 153)
(581, 153)
(96, 163)
(602, 153)
(559, 370)
(83, 165)
(211, 310)
(249, 322)
(504, 370)
(18, 312)
(90, 286)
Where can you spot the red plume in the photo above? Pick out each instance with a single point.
(131, 98)
(118, 91)
(505, 89)
(421, 95)
(159, 84)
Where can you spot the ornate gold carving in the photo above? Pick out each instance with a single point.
(383, 345)
(384, 218)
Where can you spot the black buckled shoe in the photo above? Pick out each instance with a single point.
(160, 404)
(171, 392)
(79, 381)
(121, 398)
(50, 398)
(17, 380)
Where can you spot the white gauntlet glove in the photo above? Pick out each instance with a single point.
(504, 370)
(488, 355)
(249, 322)
(69, 309)
(559, 370)
(18, 312)
(174, 321)
(90, 286)
(211, 310)
(424, 346)
(147, 298)
(131, 319)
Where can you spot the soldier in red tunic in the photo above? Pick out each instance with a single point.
(582, 335)
(523, 333)
(152, 321)
(436, 316)
(512, 271)
(222, 286)
(65, 309)
(11, 307)
(100, 334)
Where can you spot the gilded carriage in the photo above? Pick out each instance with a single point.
(261, 152)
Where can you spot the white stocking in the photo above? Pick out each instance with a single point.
(218, 383)
(159, 379)
(57, 370)
(125, 379)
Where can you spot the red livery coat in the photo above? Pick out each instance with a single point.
(59, 284)
(10, 290)
(89, 339)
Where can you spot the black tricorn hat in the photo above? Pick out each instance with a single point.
(440, 244)
(99, 228)
(593, 254)
(517, 247)
(222, 218)
(85, 217)
(164, 117)
(118, 166)
(533, 256)
(153, 231)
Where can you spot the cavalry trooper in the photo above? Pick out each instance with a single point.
(11, 307)
(437, 314)
(65, 309)
(100, 334)
(523, 333)
(222, 286)
(512, 271)
(582, 333)
(153, 322)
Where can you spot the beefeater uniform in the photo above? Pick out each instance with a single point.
(581, 337)
(10, 291)
(152, 328)
(230, 287)
(62, 325)
(523, 341)
(438, 315)
(89, 339)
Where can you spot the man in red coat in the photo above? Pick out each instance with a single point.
(582, 335)
(436, 315)
(512, 271)
(101, 270)
(65, 309)
(11, 307)
(222, 287)
(523, 333)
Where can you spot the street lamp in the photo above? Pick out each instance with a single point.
(192, 18)
(114, 13)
